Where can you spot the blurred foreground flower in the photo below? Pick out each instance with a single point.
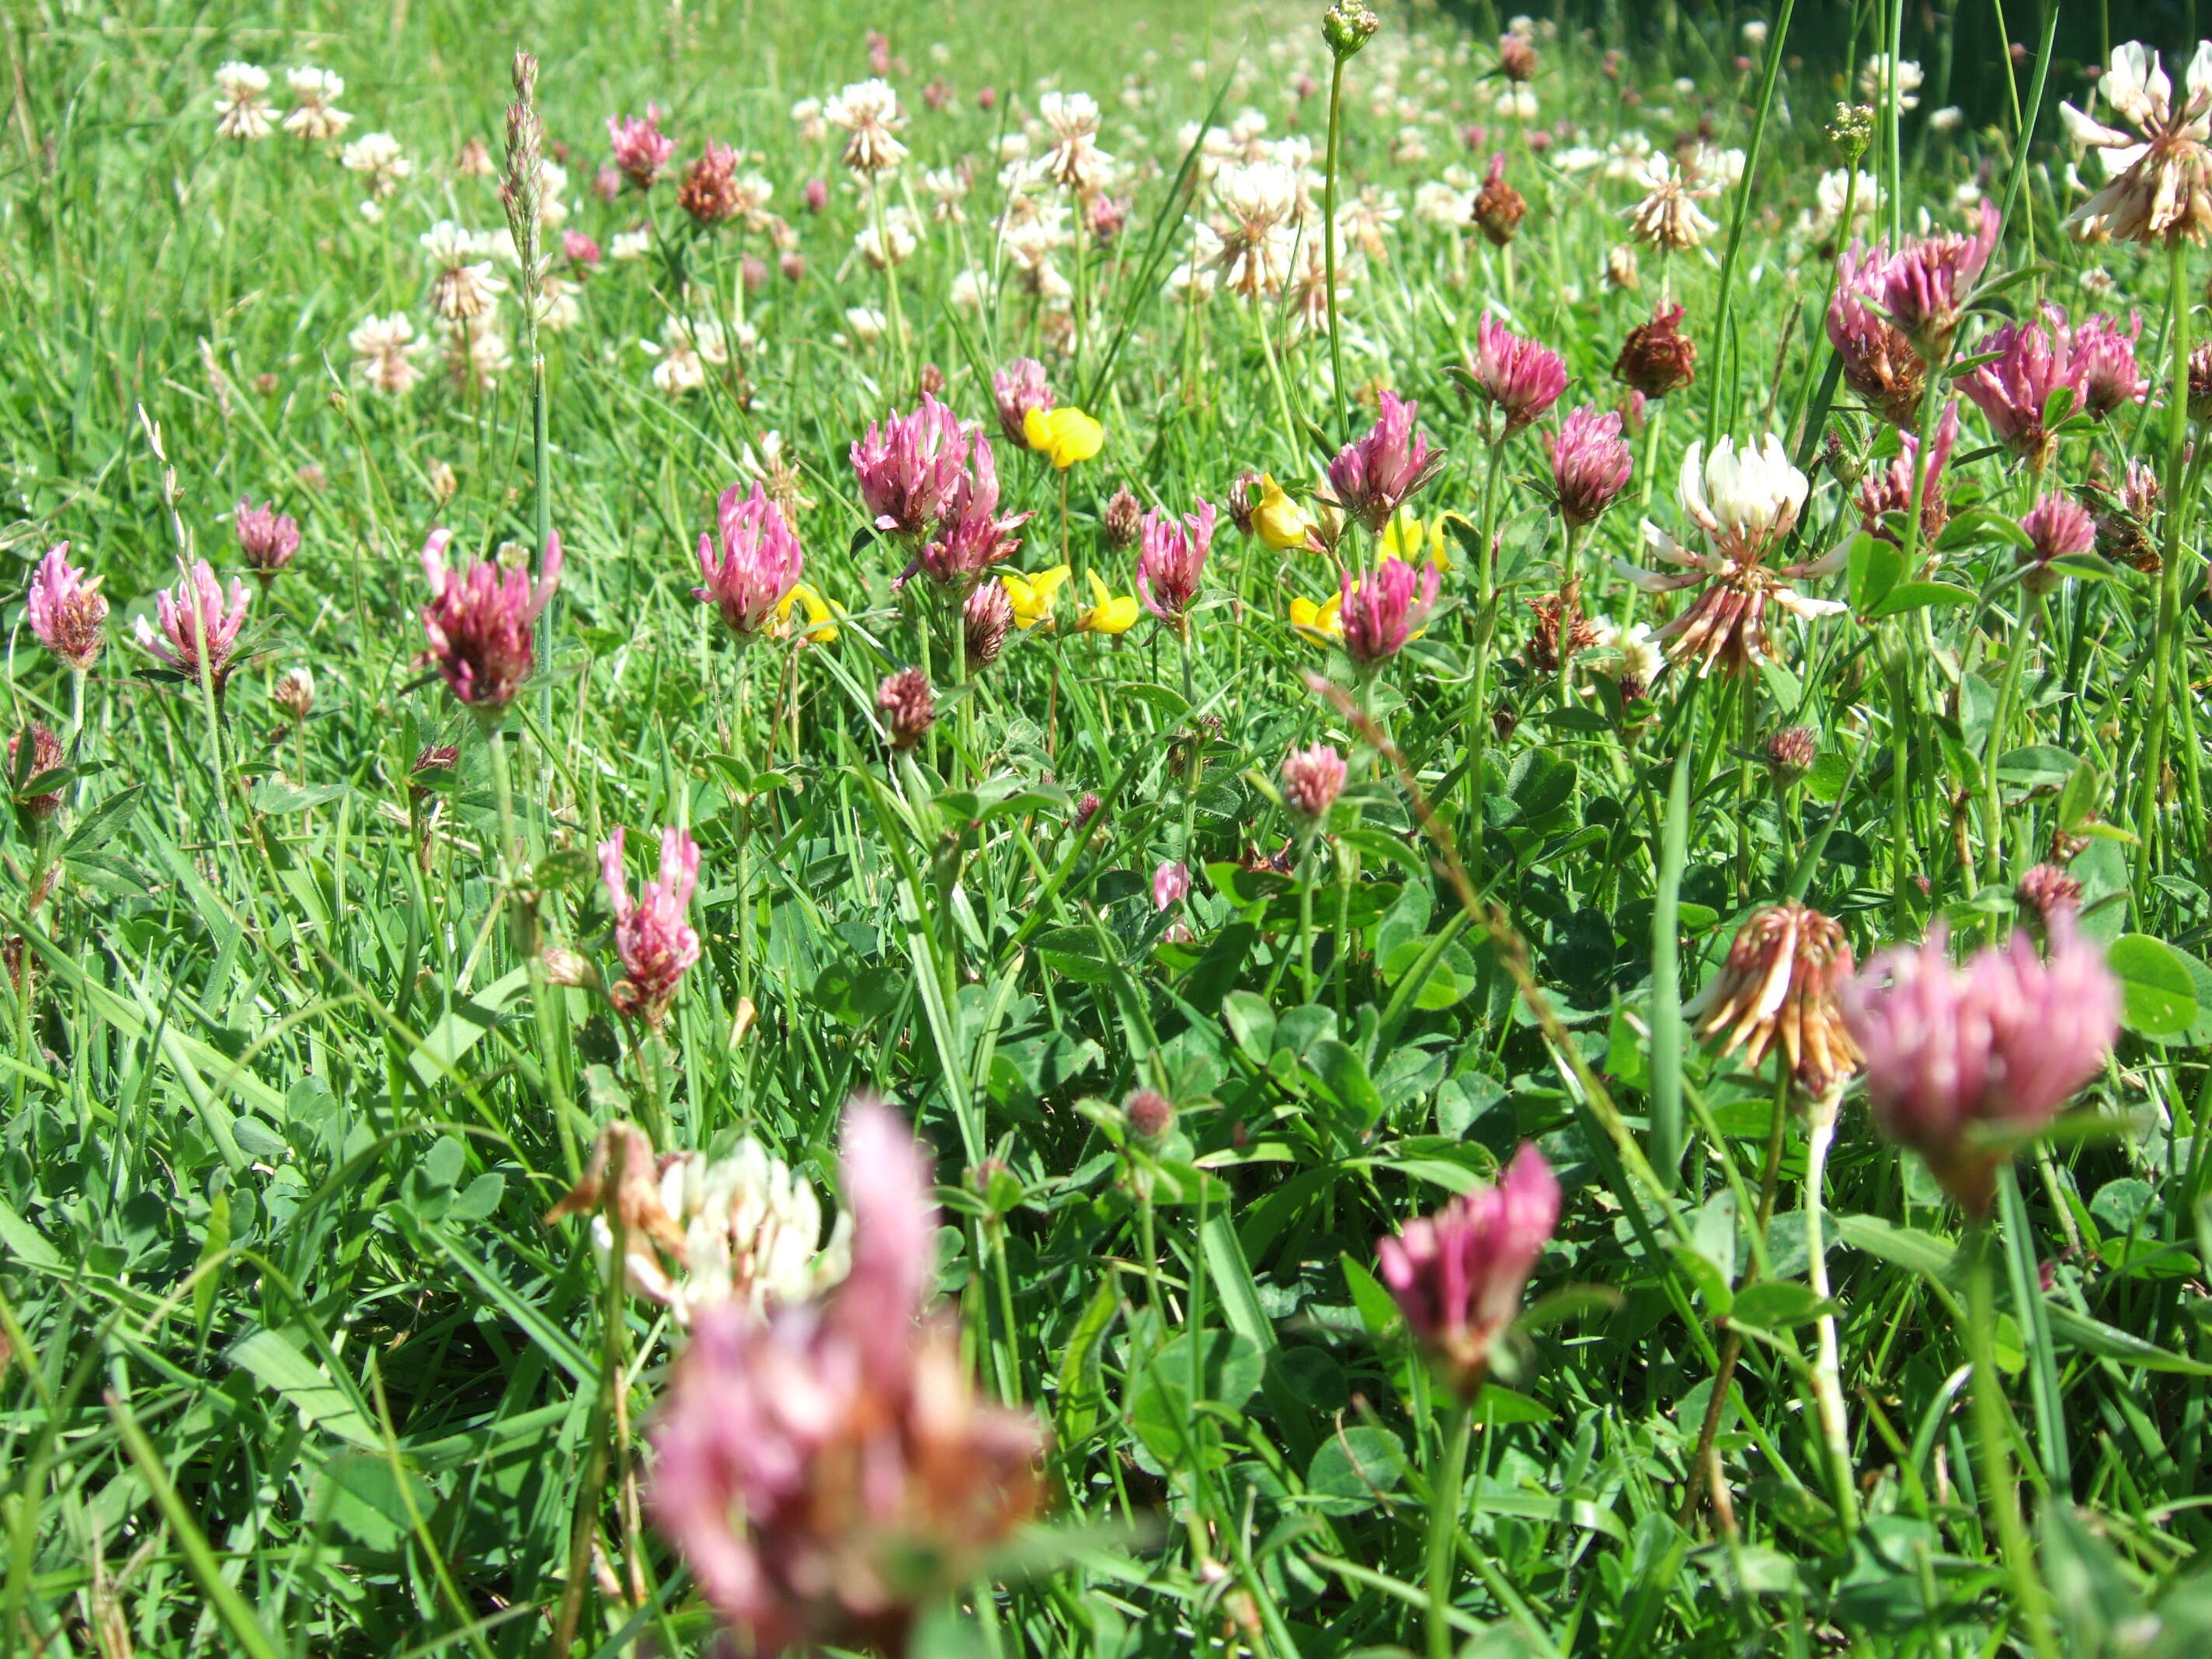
(656, 944)
(1312, 780)
(1779, 985)
(480, 624)
(1458, 1275)
(1964, 1063)
(828, 1471)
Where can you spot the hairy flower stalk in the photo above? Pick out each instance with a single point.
(827, 1469)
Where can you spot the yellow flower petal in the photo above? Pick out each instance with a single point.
(1406, 536)
(819, 629)
(1317, 623)
(1033, 596)
(1108, 613)
(1063, 436)
(1279, 521)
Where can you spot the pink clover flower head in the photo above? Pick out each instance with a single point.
(66, 610)
(827, 1469)
(2034, 361)
(642, 151)
(2110, 376)
(1925, 286)
(1590, 464)
(1170, 884)
(1459, 1275)
(1312, 780)
(1376, 476)
(194, 613)
(267, 538)
(479, 622)
(909, 467)
(1171, 560)
(972, 536)
(1381, 612)
(1518, 376)
(1962, 1061)
(759, 565)
(1880, 363)
(1889, 489)
(2057, 527)
(656, 944)
(1018, 388)
(580, 249)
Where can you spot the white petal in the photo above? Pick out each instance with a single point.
(2198, 78)
(2085, 130)
(1799, 605)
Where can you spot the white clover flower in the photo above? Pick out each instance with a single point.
(970, 290)
(1516, 100)
(890, 244)
(947, 188)
(1074, 162)
(1755, 32)
(476, 352)
(1638, 654)
(1437, 202)
(869, 111)
(867, 323)
(627, 245)
(314, 117)
(752, 1238)
(1949, 118)
(1874, 81)
(241, 103)
(462, 286)
(383, 351)
(377, 157)
(807, 112)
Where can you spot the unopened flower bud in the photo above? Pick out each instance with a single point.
(985, 615)
(46, 756)
(754, 273)
(816, 195)
(1790, 753)
(1123, 519)
(794, 266)
(293, 692)
(1312, 780)
(1085, 810)
(908, 705)
(1516, 57)
(1347, 25)
(1150, 1114)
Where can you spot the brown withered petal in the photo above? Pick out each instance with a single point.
(1778, 986)
(637, 1191)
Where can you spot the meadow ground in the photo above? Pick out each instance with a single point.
(1004, 830)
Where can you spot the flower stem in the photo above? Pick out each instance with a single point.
(2168, 629)
(1328, 242)
(1999, 1490)
(1827, 1369)
(1444, 1493)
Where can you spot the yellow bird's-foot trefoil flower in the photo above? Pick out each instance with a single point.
(1109, 612)
(1063, 435)
(1034, 596)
